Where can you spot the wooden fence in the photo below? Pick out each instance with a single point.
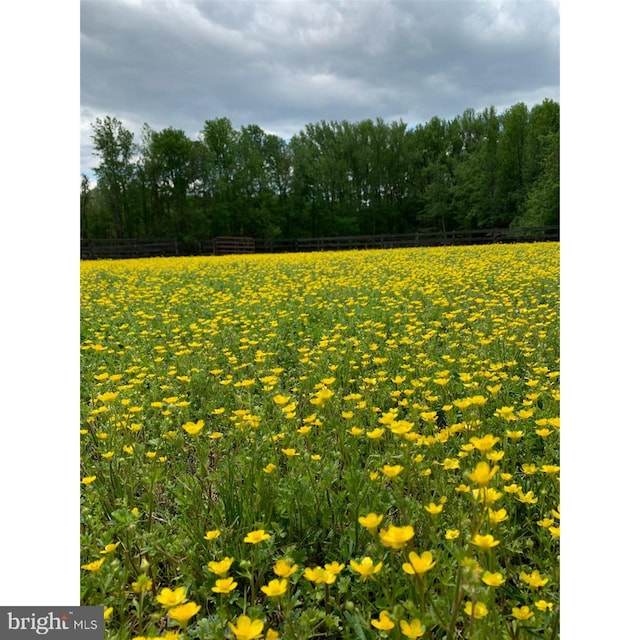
(425, 239)
(225, 245)
(127, 248)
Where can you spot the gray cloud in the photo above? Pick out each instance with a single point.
(282, 64)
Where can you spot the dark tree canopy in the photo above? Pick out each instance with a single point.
(478, 170)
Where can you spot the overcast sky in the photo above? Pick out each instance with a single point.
(282, 64)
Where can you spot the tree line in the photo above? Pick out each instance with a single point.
(478, 170)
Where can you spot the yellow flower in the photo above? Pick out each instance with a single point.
(498, 516)
(290, 453)
(281, 400)
(224, 585)
(88, 479)
(485, 542)
(111, 547)
(272, 635)
(93, 566)
(486, 495)
(193, 428)
(284, 568)
(527, 498)
(550, 469)
(321, 396)
(269, 468)
(275, 588)
(142, 584)
(413, 629)
(365, 568)
(506, 413)
(220, 568)
(529, 469)
(419, 564)
(514, 435)
(391, 471)
(107, 612)
(254, 537)
(371, 522)
(483, 474)
(542, 605)
(477, 610)
(450, 464)
(375, 434)
(108, 396)
(554, 531)
(484, 444)
(319, 575)
(184, 612)
(384, 622)
(533, 579)
(169, 598)
(212, 535)
(433, 508)
(396, 537)
(334, 567)
(492, 579)
(247, 629)
(452, 534)
(521, 613)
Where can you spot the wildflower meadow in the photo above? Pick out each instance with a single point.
(357, 444)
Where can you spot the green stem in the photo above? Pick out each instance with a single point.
(456, 604)
(435, 610)
(556, 625)
(140, 629)
(287, 614)
(152, 476)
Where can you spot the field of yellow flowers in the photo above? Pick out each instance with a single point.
(331, 445)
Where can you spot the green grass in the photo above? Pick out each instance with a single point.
(296, 364)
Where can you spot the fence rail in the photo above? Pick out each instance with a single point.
(128, 248)
(420, 239)
(225, 245)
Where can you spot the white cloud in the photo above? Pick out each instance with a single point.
(283, 64)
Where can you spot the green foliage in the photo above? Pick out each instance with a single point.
(289, 397)
(478, 170)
